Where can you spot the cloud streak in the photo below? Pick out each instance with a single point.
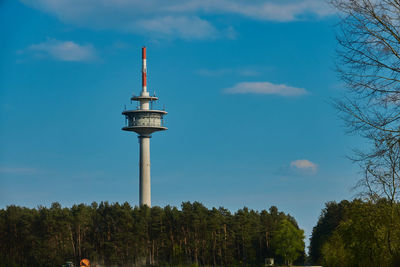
(177, 18)
(63, 51)
(247, 72)
(268, 10)
(18, 170)
(265, 88)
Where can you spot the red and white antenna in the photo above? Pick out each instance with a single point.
(144, 70)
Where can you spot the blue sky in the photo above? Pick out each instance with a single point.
(247, 85)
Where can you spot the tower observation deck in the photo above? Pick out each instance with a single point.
(144, 121)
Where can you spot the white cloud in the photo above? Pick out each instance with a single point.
(63, 50)
(183, 27)
(266, 88)
(287, 12)
(304, 165)
(182, 18)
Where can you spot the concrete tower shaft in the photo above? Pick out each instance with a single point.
(144, 171)
(144, 121)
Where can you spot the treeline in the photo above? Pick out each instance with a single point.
(357, 233)
(117, 234)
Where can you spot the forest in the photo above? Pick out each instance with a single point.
(121, 235)
(357, 233)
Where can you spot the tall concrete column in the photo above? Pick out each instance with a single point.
(144, 166)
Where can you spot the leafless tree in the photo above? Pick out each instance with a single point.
(381, 170)
(369, 65)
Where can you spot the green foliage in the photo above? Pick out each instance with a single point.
(362, 234)
(334, 252)
(288, 241)
(329, 220)
(117, 234)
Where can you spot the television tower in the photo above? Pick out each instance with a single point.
(144, 121)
